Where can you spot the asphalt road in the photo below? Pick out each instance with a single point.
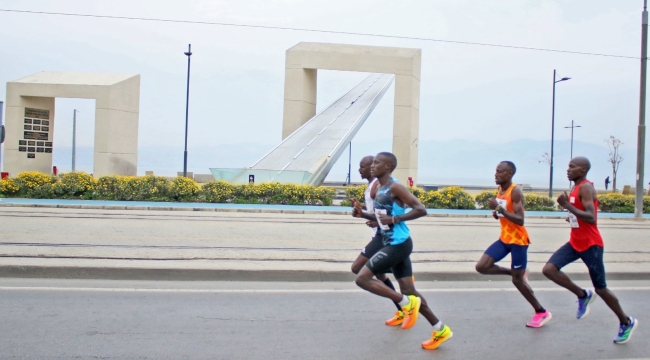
(91, 319)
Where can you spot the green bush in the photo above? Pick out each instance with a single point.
(184, 189)
(534, 202)
(616, 203)
(37, 185)
(482, 198)
(216, 192)
(74, 185)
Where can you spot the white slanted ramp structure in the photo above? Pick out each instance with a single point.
(312, 143)
(308, 154)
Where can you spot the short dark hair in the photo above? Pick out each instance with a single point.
(391, 158)
(511, 165)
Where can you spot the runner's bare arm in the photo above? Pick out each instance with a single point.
(587, 196)
(401, 193)
(517, 216)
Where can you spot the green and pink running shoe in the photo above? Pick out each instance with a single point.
(539, 319)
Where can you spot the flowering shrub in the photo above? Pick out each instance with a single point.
(184, 189)
(216, 192)
(9, 186)
(536, 202)
(482, 198)
(616, 203)
(74, 184)
(34, 184)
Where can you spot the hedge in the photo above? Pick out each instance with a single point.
(79, 185)
(452, 197)
(532, 202)
(610, 202)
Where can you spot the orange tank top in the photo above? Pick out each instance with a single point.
(511, 233)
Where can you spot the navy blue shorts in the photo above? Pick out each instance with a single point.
(519, 253)
(592, 257)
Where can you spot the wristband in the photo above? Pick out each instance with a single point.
(398, 220)
(499, 209)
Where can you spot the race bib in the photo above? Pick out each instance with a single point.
(381, 212)
(502, 203)
(573, 221)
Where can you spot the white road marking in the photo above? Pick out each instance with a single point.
(285, 291)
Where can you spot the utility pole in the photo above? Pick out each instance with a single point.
(640, 147)
(187, 107)
(350, 164)
(74, 138)
(571, 127)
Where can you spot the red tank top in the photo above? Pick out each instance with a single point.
(583, 234)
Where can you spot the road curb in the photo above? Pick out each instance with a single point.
(270, 211)
(98, 273)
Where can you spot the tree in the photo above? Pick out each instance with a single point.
(546, 158)
(615, 157)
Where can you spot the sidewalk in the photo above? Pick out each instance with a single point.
(261, 208)
(260, 246)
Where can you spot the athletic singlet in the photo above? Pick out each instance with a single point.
(395, 234)
(583, 234)
(369, 202)
(511, 233)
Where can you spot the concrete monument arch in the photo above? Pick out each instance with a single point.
(301, 67)
(30, 120)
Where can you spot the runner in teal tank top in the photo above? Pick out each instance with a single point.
(390, 213)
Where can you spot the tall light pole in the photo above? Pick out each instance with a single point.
(74, 138)
(187, 107)
(572, 127)
(640, 147)
(555, 81)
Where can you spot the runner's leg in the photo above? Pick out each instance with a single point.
(562, 257)
(493, 254)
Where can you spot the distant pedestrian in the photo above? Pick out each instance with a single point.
(606, 182)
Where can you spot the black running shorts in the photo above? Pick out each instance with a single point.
(393, 257)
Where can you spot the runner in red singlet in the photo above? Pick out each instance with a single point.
(586, 244)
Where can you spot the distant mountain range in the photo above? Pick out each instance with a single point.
(441, 162)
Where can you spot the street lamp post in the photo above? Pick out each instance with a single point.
(555, 81)
(187, 107)
(640, 148)
(572, 127)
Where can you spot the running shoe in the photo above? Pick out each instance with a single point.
(539, 319)
(437, 338)
(411, 311)
(625, 331)
(583, 304)
(398, 319)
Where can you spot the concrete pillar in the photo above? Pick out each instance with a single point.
(299, 98)
(16, 162)
(406, 127)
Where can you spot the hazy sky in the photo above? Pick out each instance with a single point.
(469, 92)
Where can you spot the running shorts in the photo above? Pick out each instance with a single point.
(395, 258)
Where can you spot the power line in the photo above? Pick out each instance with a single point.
(318, 31)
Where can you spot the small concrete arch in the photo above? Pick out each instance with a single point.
(30, 120)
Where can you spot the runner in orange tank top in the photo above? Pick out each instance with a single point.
(508, 208)
(585, 243)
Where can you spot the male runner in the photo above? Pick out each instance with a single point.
(390, 205)
(509, 210)
(375, 243)
(586, 244)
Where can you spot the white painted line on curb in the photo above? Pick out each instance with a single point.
(286, 291)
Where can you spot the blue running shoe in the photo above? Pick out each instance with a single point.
(583, 304)
(625, 331)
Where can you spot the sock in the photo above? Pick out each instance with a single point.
(540, 310)
(405, 301)
(390, 285)
(438, 326)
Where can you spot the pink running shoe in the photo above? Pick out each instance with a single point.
(539, 319)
